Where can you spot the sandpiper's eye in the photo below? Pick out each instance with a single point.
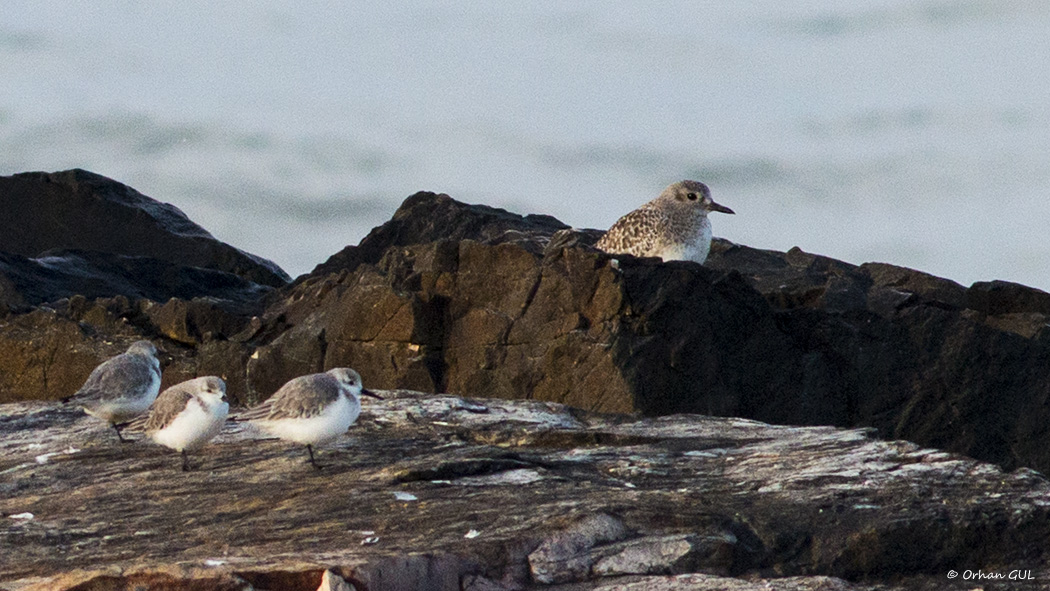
(691, 196)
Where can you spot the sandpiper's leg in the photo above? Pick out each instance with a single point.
(119, 436)
(310, 449)
(185, 462)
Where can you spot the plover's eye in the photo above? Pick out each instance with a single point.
(691, 196)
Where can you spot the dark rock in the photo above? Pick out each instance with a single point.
(195, 321)
(65, 273)
(932, 290)
(788, 337)
(448, 297)
(916, 356)
(499, 499)
(76, 209)
(470, 317)
(571, 238)
(429, 217)
(1003, 297)
(84, 262)
(49, 351)
(46, 356)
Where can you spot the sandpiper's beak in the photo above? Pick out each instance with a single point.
(371, 393)
(722, 208)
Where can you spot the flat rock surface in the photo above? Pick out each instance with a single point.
(446, 493)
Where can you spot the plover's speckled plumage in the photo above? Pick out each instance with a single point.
(186, 416)
(674, 226)
(312, 409)
(122, 387)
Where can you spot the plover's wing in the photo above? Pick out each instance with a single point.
(135, 425)
(118, 377)
(255, 413)
(168, 405)
(301, 398)
(634, 233)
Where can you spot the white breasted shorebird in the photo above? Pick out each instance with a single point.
(674, 226)
(186, 416)
(312, 409)
(122, 387)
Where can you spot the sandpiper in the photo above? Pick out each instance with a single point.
(674, 226)
(312, 409)
(122, 387)
(186, 416)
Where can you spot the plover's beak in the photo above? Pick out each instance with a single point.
(722, 208)
(371, 393)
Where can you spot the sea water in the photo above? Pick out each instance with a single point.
(914, 132)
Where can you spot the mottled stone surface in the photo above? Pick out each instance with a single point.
(445, 493)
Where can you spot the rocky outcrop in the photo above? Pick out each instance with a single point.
(87, 263)
(790, 338)
(429, 217)
(49, 352)
(916, 356)
(436, 492)
(433, 491)
(449, 297)
(76, 209)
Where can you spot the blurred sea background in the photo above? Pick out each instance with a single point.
(914, 132)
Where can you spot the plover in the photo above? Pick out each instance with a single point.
(186, 416)
(674, 226)
(312, 409)
(121, 387)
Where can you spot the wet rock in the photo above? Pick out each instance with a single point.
(181, 579)
(784, 507)
(77, 209)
